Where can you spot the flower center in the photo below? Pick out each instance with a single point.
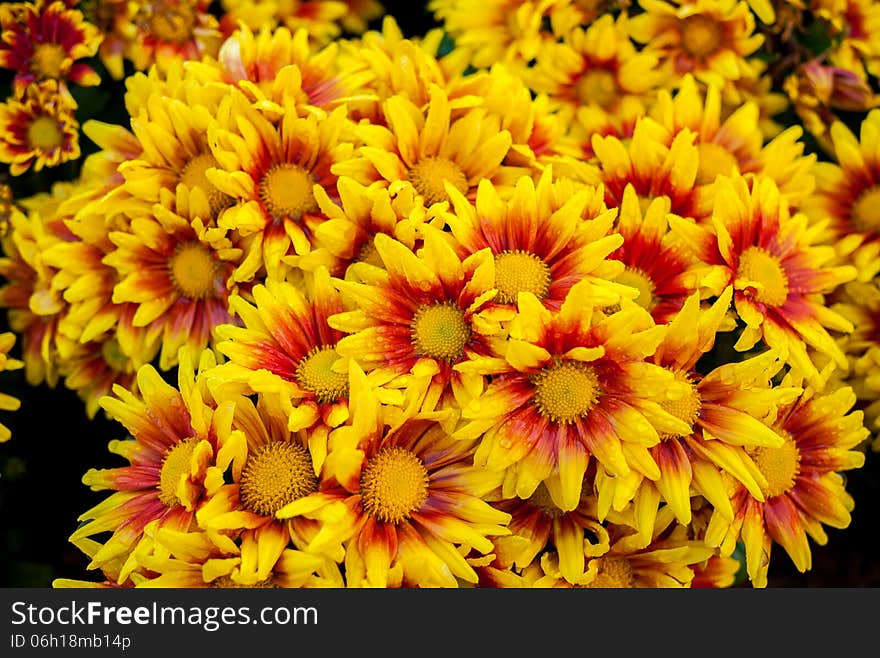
(597, 86)
(866, 210)
(169, 22)
(315, 374)
(394, 484)
(429, 174)
(542, 500)
(193, 176)
(687, 408)
(614, 573)
(520, 271)
(635, 278)
(44, 133)
(286, 191)
(759, 266)
(175, 465)
(48, 60)
(369, 254)
(714, 160)
(566, 391)
(193, 270)
(700, 36)
(274, 475)
(226, 582)
(440, 331)
(779, 466)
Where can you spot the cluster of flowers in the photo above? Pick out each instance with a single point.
(546, 297)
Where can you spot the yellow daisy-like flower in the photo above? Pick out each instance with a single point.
(805, 488)
(39, 130)
(320, 18)
(8, 402)
(171, 31)
(709, 38)
(779, 274)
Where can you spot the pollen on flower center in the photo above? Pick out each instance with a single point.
(44, 133)
(635, 278)
(759, 266)
(614, 573)
(175, 465)
(566, 391)
(193, 176)
(686, 408)
(275, 475)
(440, 331)
(286, 191)
(48, 60)
(170, 22)
(700, 36)
(598, 86)
(394, 484)
(315, 374)
(520, 271)
(779, 466)
(866, 210)
(714, 160)
(429, 174)
(193, 270)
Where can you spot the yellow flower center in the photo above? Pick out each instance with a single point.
(779, 466)
(686, 408)
(193, 270)
(597, 86)
(193, 176)
(170, 22)
(700, 36)
(175, 465)
(369, 254)
(315, 374)
(394, 484)
(274, 475)
(866, 210)
(759, 266)
(635, 278)
(520, 271)
(286, 191)
(566, 391)
(429, 174)
(542, 500)
(48, 60)
(440, 331)
(44, 133)
(714, 160)
(614, 573)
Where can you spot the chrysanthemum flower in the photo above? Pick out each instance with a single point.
(780, 276)
(544, 238)
(429, 148)
(173, 439)
(805, 488)
(113, 19)
(416, 496)
(572, 385)
(710, 38)
(320, 18)
(172, 31)
(39, 130)
(8, 402)
(45, 41)
(92, 369)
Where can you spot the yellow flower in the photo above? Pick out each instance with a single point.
(7, 363)
(168, 32)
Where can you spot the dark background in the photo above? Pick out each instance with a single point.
(53, 444)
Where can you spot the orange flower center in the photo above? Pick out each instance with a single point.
(614, 573)
(275, 475)
(394, 484)
(315, 374)
(172, 22)
(866, 210)
(193, 176)
(44, 133)
(566, 391)
(700, 36)
(756, 265)
(193, 270)
(714, 160)
(597, 86)
(175, 467)
(636, 278)
(520, 271)
(429, 174)
(48, 60)
(286, 191)
(779, 466)
(686, 408)
(440, 331)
